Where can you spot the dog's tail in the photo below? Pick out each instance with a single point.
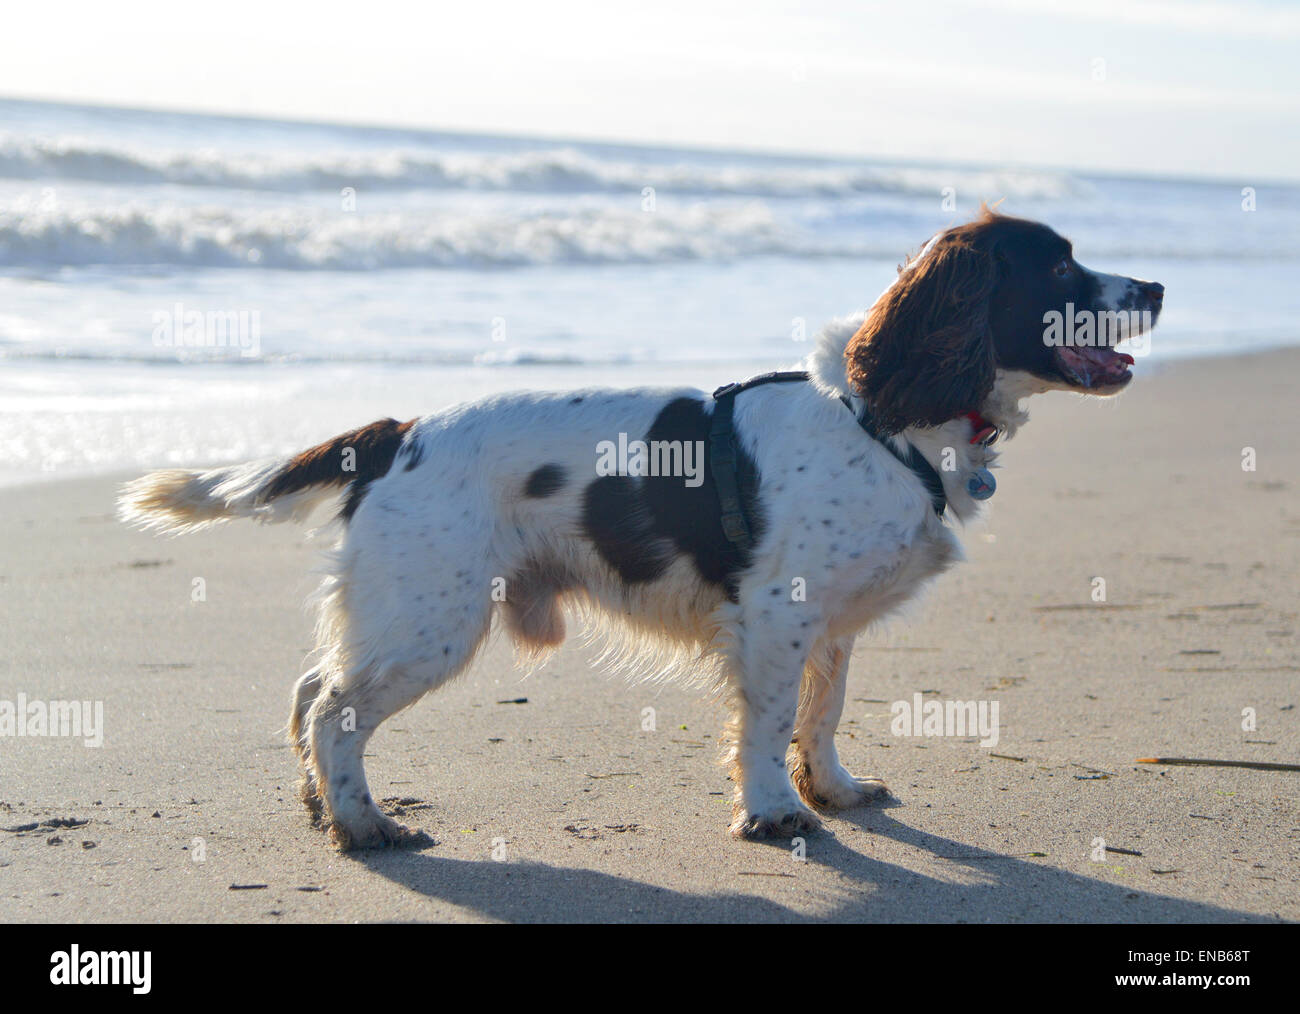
(281, 489)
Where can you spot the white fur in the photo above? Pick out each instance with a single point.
(1115, 292)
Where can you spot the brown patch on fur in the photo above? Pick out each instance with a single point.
(305, 692)
(307, 789)
(801, 777)
(742, 826)
(545, 481)
(924, 355)
(338, 836)
(311, 799)
(532, 608)
(819, 675)
(375, 447)
(729, 747)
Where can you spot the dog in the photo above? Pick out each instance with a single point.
(749, 565)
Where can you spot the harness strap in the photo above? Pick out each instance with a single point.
(912, 458)
(722, 454)
(722, 451)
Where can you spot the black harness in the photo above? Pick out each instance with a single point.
(722, 452)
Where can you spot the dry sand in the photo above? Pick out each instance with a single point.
(602, 821)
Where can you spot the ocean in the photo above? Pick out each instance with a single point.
(180, 289)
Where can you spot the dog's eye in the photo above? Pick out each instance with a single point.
(1062, 269)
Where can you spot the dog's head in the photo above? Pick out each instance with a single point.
(998, 293)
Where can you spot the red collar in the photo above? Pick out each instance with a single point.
(985, 431)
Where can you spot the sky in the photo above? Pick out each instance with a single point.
(1163, 87)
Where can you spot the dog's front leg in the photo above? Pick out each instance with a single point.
(766, 691)
(818, 775)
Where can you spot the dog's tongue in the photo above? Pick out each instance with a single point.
(1091, 364)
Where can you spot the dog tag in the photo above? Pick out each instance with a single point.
(981, 484)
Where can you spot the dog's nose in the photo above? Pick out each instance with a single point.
(1154, 291)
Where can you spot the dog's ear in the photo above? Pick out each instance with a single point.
(924, 355)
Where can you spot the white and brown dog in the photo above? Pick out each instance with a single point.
(835, 478)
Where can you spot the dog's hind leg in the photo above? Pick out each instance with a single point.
(815, 765)
(348, 710)
(305, 692)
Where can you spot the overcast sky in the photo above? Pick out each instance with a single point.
(1192, 88)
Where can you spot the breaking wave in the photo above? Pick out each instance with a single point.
(550, 170)
(306, 239)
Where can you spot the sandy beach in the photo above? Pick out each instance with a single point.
(547, 800)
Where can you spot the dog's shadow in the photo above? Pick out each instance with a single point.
(1006, 889)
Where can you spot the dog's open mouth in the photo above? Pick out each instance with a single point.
(1092, 367)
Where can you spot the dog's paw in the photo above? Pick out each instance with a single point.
(839, 790)
(762, 826)
(377, 832)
